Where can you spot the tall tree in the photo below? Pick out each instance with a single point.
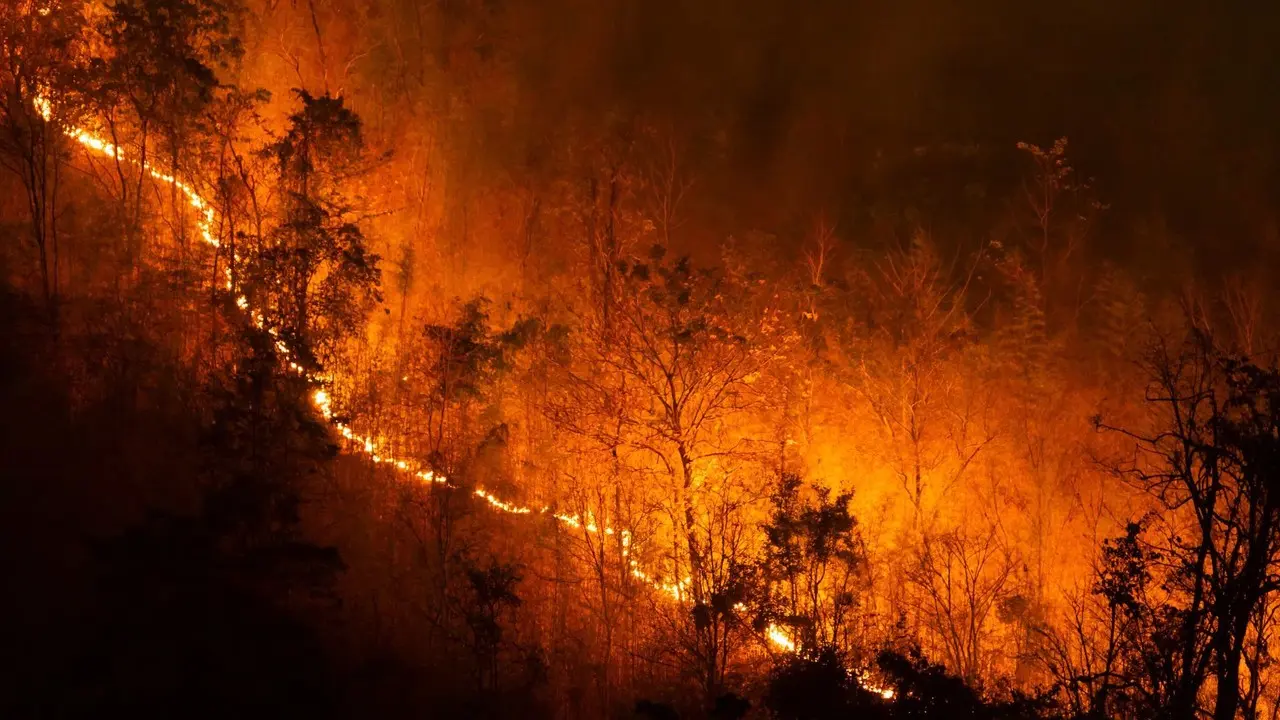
(153, 74)
(674, 365)
(313, 275)
(1210, 464)
(813, 557)
(39, 44)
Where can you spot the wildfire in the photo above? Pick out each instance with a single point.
(45, 108)
(884, 692)
(322, 401)
(871, 685)
(782, 640)
(779, 637)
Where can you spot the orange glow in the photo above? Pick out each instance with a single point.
(320, 398)
(676, 590)
(780, 639)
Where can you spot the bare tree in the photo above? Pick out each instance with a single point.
(964, 574)
(1209, 464)
(38, 45)
(671, 370)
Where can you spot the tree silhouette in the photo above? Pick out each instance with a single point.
(313, 274)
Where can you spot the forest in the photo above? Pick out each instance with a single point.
(621, 359)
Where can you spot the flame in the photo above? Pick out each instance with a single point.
(782, 640)
(884, 692)
(779, 638)
(872, 686)
(44, 107)
(323, 402)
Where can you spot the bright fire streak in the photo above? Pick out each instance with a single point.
(782, 640)
(779, 637)
(321, 400)
(868, 684)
